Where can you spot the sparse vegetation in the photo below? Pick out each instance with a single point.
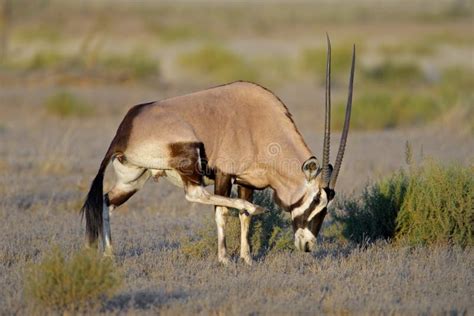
(384, 110)
(137, 65)
(269, 232)
(170, 33)
(45, 60)
(58, 283)
(397, 96)
(418, 48)
(218, 63)
(66, 104)
(390, 73)
(414, 78)
(313, 60)
(428, 204)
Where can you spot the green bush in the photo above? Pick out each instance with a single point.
(66, 104)
(390, 72)
(70, 284)
(373, 215)
(438, 206)
(384, 110)
(313, 60)
(418, 48)
(44, 60)
(168, 32)
(218, 63)
(269, 232)
(428, 204)
(137, 65)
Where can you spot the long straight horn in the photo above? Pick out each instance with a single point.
(327, 121)
(345, 130)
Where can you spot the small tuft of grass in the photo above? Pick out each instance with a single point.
(46, 60)
(313, 60)
(418, 48)
(58, 283)
(218, 63)
(390, 72)
(173, 32)
(42, 32)
(428, 204)
(385, 110)
(136, 65)
(66, 104)
(269, 232)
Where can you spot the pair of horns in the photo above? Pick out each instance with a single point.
(328, 177)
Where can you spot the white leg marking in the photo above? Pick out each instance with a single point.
(244, 241)
(221, 219)
(198, 194)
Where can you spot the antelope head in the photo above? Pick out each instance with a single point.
(321, 179)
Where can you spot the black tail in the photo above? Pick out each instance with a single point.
(92, 207)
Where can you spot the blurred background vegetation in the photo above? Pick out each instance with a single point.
(415, 58)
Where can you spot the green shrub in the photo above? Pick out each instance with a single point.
(268, 232)
(418, 48)
(39, 33)
(65, 104)
(218, 63)
(44, 60)
(428, 204)
(134, 66)
(383, 110)
(173, 32)
(137, 65)
(401, 73)
(438, 206)
(313, 60)
(70, 284)
(373, 215)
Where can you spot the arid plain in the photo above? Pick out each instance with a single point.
(71, 71)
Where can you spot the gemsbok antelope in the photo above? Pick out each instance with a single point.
(238, 133)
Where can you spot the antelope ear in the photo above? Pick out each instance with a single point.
(310, 168)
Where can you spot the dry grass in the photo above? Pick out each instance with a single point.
(159, 278)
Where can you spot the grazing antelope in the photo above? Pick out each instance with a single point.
(239, 133)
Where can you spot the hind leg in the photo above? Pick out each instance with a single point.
(130, 179)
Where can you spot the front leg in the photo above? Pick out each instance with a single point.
(245, 219)
(196, 193)
(221, 220)
(244, 238)
(222, 186)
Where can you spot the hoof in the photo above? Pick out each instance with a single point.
(260, 210)
(248, 260)
(254, 210)
(109, 253)
(224, 261)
